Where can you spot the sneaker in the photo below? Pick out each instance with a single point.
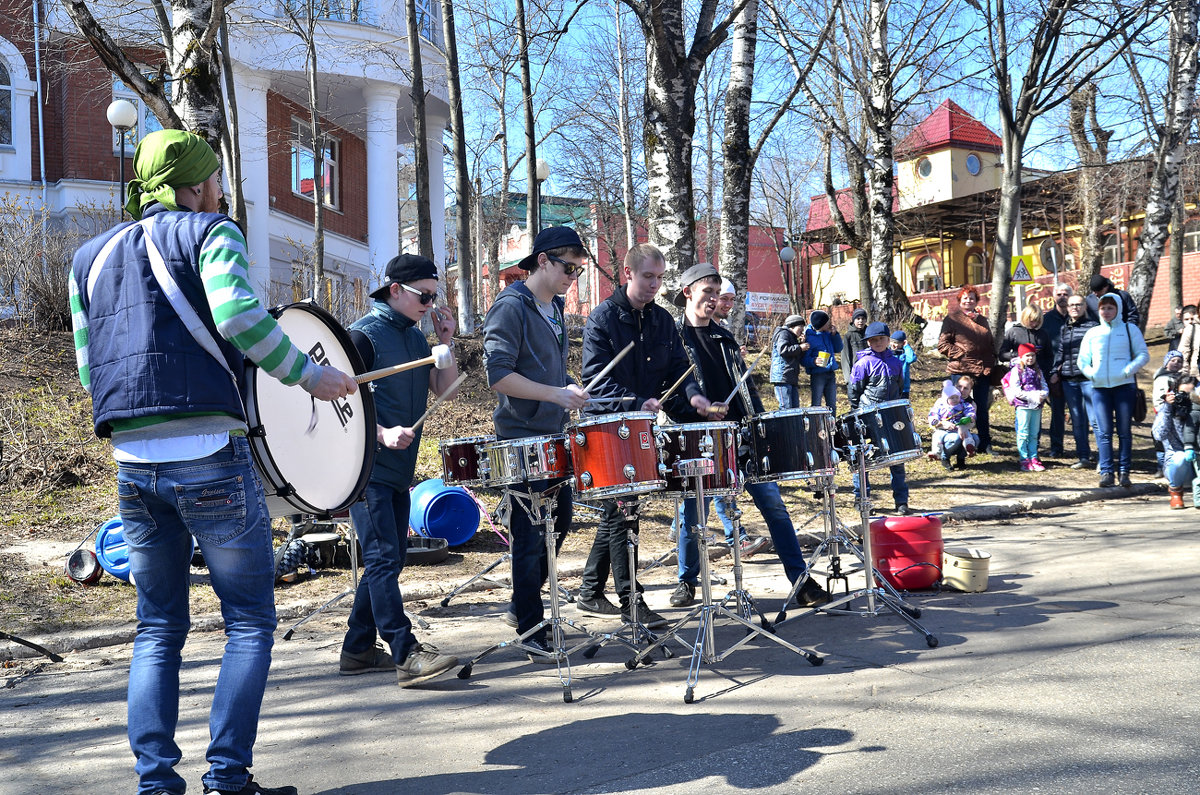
(423, 663)
(1081, 465)
(1107, 481)
(252, 787)
(810, 595)
(596, 606)
(751, 545)
(547, 657)
(510, 617)
(946, 465)
(1025, 465)
(685, 594)
(931, 455)
(646, 617)
(970, 449)
(365, 662)
(1055, 454)
(1036, 465)
(902, 509)
(1125, 481)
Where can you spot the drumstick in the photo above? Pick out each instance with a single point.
(609, 366)
(440, 357)
(437, 402)
(676, 385)
(742, 380)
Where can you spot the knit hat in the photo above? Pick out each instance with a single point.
(876, 329)
(899, 334)
(793, 320)
(1172, 354)
(860, 312)
(1099, 283)
(1025, 348)
(818, 318)
(949, 389)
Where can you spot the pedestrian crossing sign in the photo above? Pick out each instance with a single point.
(1020, 270)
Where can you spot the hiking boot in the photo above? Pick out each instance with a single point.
(1107, 481)
(1176, 498)
(423, 663)
(751, 545)
(1125, 481)
(365, 662)
(596, 606)
(252, 787)
(547, 655)
(685, 592)
(645, 616)
(809, 595)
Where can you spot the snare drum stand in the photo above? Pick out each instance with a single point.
(877, 590)
(541, 512)
(746, 605)
(704, 648)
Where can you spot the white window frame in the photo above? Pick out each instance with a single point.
(976, 271)
(1191, 236)
(1113, 248)
(300, 137)
(7, 97)
(837, 255)
(934, 273)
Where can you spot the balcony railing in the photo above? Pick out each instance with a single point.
(366, 12)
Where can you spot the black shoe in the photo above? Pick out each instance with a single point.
(547, 656)
(646, 617)
(685, 594)
(596, 606)
(1125, 481)
(1107, 481)
(252, 787)
(946, 465)
(365, 662)
(510, 617)
(902, 509)
(809, 595)
(423, 663)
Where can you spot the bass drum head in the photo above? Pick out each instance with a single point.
(314, 456)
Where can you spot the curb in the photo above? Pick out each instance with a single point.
(74, 641)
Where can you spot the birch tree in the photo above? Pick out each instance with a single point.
(462, 175)
(420, 131)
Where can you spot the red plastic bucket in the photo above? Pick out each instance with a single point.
(901, 544)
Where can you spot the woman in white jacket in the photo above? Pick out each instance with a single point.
(1110, 356)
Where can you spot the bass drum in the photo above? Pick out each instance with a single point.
(313, 456)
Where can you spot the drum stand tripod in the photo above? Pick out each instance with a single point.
(541, 512)
(877, 591)
(704, 648)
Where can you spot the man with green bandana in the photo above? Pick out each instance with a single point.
(177, 425)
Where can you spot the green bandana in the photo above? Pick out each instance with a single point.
(163, 161)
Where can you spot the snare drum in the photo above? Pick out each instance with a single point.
(715, 440)
(889, 427)
(790, 444)
(526, 460)
(463, 460)
(614, 455)
(313, 456)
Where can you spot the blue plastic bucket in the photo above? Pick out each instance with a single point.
(111, 549)
(441, 511)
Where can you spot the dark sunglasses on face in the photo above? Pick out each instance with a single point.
(425, 298)
(569, 268)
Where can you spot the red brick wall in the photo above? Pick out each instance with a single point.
(350, 218)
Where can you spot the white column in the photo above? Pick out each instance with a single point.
(251, 90)
(383, 197)
(437, 193)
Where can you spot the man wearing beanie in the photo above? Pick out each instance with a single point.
(389, 335)
(855, 341)
(183, 460)
(876, 379)
(821, 359)
(788, 347)
(1098, 287)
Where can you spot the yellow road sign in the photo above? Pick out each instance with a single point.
(1020, 270)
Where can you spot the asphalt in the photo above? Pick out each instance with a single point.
(1076, 671)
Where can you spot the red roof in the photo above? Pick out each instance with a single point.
(819, 216)
(949, 125)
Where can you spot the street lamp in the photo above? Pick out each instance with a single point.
(787, 255)
(543, 174)
(122, 115)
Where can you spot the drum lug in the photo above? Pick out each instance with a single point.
(663, 471)
(629, 471)
(766, 464)
(623, 431)
(706, 446)
(580, 439)
(585, 479)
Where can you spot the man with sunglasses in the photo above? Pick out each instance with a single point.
(525, 353)
(1077, 389)
(387, 336)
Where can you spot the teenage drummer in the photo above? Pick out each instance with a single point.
(636, 383)
(719, 366)
(387, 336)
(877, 377)
(525, 352)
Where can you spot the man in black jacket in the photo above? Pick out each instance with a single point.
(1077, 389)
(634, 384)
(1101, 286)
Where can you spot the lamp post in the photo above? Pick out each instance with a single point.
(122, 115)
(787, 255)
(543, 174)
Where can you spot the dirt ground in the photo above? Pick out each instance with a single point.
(57, 485)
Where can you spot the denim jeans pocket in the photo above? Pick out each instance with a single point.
(136, 522)
(213, 511)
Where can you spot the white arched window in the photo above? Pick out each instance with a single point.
(16, 91)
(6, 107)
(927, 277)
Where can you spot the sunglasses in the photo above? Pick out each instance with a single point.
(425, 298)
(569, 268)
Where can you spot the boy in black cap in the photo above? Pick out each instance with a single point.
(525, 352)
(855, 341)
(388, 336)
(877, 378)
(788, 348)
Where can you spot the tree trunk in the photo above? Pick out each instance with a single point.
(739, 162)
(1175, 263)
(231, 146)
(420, 133)
(320, 294)
(532, 188)
(1007, 222)
(1168, 152)
(1092, 158)
(626, 143)
(462, 178)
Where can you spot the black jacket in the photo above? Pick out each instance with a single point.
(1017, 336)
(854, 341)
(1129, 310)
(655, 363)
(680, 410)
(1066, 348)
(785, 357)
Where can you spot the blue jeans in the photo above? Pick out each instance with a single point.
(823, 386)
(949, 443)
(1028, 426)
(899, 484)
(1181, 473)
(219, 501)
(788, 396)
(1078, 395)
(529, 564)
(1112, 410)
(783, 533)
(381, 522)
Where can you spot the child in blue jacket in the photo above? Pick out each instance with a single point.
(820, 361)
(905, 353)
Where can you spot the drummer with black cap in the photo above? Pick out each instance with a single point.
(525, 352)
(388, 335)
(877, 377)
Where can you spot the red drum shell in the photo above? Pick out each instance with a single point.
(614, 455)
(463, 460)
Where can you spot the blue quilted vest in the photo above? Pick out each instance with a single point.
(142, 360)
(399, 399)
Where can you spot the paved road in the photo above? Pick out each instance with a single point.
(1076, 672)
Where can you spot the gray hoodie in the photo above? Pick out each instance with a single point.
(517, 339)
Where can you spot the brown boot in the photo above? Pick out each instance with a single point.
(1176, 498)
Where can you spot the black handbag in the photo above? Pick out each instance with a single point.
(1139, 400)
